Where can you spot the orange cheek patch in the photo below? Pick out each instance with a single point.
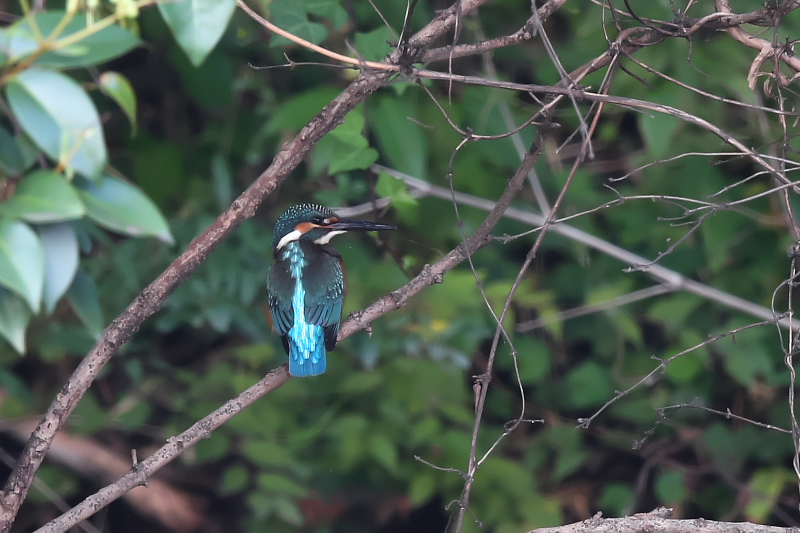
(305, 227)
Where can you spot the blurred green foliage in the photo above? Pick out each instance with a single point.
(102, 131)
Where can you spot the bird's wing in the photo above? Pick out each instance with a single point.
(323, 281)
(280, 286)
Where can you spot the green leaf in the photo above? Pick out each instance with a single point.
(394, 188)
(346, 148)
(764, 488)
(82, 296)
(352, 159)
(15, 153)
(533, 359)
(292, 16)
(374, 46)
(44, 196)
(267, 453)
(60, 261)
(4, 44)
(234, 479)
(95, 48)
(383, 451)
(686, 367)
(222, 177)
(296, 112)
(16, 387)
(567, 463)
(60, 118)
(329, 9)
(282, 484)
(590, 385)
(400, 140)
(14, 318)
(21, 261)
(216, 446)
(421, 489)
(197, 24)
(615, 499)
(121, 91)
(670, 487)
(360, 383)
(16, 42)
(288, 511)
(119, 206)
(658, 130)
(747, 358)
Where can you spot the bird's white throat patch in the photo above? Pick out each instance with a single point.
(289, 237)
(325, 239)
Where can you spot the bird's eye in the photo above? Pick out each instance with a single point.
(318, 220)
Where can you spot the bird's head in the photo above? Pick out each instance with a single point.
(317, 224)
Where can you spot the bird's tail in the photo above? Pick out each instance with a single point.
(307, 354)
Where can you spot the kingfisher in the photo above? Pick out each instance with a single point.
(306, 284)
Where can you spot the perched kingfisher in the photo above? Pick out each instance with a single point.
(305, 286)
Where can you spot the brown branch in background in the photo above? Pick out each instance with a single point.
(766, 49)
(141, 472)
(152, 298)
(174, 509)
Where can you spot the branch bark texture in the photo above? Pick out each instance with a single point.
(657, 524)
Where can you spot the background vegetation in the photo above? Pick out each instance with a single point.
(120, 145)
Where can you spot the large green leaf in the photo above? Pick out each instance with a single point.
(119, 206)
(21, 261)
(197, 24)
(44, 196)
(346, 148)
(82, 296)
(292, 16)
(294, 113)
(60, 118)
(108, 43)
(14, 319)
(60, 261)
(374, 45)
(400, 140)
(331, 10)
(396, 189)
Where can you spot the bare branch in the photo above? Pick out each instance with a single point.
(657, 523)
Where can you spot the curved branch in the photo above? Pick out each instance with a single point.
(311, 46)
(658, 522)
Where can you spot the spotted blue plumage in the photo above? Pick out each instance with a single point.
(306, 340)
(305, 286)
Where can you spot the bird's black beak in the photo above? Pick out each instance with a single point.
(358, 225)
